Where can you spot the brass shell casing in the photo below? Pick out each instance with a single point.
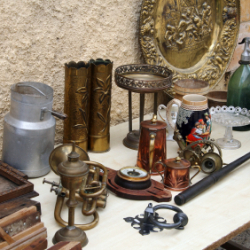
(100, 104)
(76, 103)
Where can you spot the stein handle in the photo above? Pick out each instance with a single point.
(164, 165)
(151, 150)
(199, 169)
(168, 111)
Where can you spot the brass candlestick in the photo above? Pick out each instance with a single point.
(73, 173)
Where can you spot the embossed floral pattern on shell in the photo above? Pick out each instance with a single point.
(183, 116)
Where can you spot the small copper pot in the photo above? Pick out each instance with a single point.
(176, 175)
(152, 145)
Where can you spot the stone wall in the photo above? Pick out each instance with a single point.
(38, 37)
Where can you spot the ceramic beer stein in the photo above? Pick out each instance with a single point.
(177, 173)
(193, 119)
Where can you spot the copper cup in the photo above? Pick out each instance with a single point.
(176, 174)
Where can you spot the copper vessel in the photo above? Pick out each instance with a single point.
(100, 104)
(217, 98)
(190, 86)
(176, 175)
(76, 103)
(152, 145)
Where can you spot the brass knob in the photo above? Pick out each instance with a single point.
(178, 159)
(154, 119)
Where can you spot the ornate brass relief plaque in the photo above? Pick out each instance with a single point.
(193, 38)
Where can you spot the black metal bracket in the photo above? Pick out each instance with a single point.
(150, 221)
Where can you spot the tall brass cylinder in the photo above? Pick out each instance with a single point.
(100, 104)
(76, 103)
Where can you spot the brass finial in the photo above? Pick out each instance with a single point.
(73, 156)
(154, 119)
(178, 159)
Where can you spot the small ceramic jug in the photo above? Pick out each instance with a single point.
(176, 174)
(152, 145)
(193, 119)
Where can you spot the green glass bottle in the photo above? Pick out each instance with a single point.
(238, 94)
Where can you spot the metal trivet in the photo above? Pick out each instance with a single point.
(150, 220)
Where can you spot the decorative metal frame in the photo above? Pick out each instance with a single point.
(211, 67)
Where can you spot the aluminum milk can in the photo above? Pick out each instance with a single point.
(29, 128)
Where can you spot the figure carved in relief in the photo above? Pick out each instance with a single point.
(185, 26)
(169, 35)
(194, 24)
(206, 16)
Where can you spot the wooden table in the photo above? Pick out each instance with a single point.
(215, 216)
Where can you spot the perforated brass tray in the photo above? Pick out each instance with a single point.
(193, 38)
(143, 78)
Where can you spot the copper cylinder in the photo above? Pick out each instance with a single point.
(176, 176)
(100, 104)
(76, 103)
(159, 146)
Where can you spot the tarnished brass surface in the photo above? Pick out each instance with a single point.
(80, 182)
(193, 38)
(143, 78)
(60, 154)
(205, 154)
(73, 174)
(134, 178)
(76, 103)
(63, 223)
(71, 234)
(100, 104)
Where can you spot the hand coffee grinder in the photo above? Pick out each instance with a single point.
(73, 173)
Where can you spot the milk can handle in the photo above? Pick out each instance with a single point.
(61, 116)
(27, 85)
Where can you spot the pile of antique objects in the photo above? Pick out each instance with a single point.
(29, 130)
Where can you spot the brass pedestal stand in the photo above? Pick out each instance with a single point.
(141, 78)
(72, 172)
(71, 232)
